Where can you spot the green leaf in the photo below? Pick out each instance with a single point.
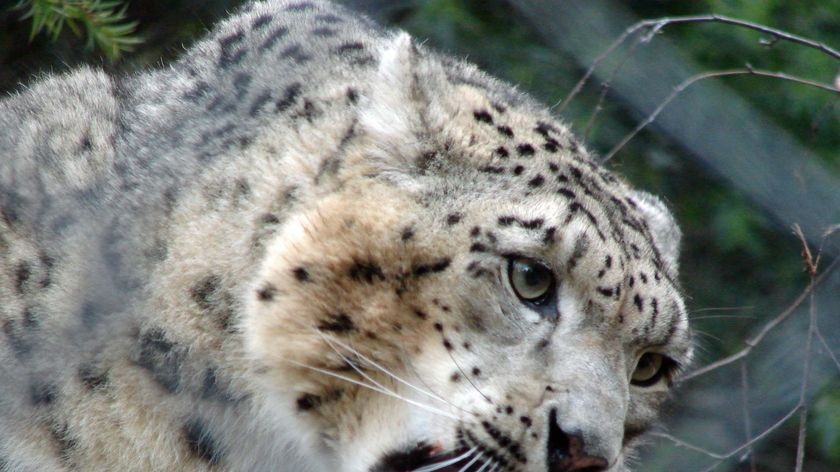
(103, 23)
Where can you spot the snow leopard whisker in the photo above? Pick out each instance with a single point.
(386, 392)
(331, 339)
(446, 463)
(471, 462)
(351, 363)
(487, 464)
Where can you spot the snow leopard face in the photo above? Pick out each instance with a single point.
(476, 294)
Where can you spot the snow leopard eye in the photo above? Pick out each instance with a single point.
(531, 281)
(650, 369)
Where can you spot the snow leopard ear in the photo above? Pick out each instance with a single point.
(666, 234)
(392, 110)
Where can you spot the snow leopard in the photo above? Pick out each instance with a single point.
(315, 244)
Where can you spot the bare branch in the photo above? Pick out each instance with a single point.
(657, 24)
(745, 403)
(723, 457)
(752, 342)
(828, 349)
(708, 75)
(605, 87)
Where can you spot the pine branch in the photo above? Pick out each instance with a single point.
(103, 22)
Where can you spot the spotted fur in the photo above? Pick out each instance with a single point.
(289, 251)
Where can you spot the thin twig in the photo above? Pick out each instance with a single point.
(656, 25)
(827, 349)
(708, 75)
(755, 340)
(745, 403)
(605, 87)
(733, 452)
(811, 265)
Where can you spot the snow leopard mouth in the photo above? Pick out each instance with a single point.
(423, 457)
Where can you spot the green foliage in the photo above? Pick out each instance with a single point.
(825, 422)
(103, 21)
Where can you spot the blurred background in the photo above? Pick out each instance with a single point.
(740, 159)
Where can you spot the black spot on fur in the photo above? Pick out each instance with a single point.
(502, 152)
(42, 393)
(295, 52)
(261, 21)
(476, 371)
(204, 290)
(213, 389)
(518, 170)
(407, 233)
(549, 235)
(654, 304)
(605, 291)
(92, 376)
(505, 130)
(447, 344)
(536, 223)
(329, 18)
(20, 343)
(580, 249)
(301, 274)
(302, 6)
(433, 268)
(525, 150)
(478, 247)
(420, 314)
(161, 358)
(438, 327)
(351, 47)
(200, 442)
(308, 401)
(227, 44)
(29, 319)
(324, 32)
(240, 83)
(492, 169)
(536, 181)
(453, 218)
(290, 95)
(551, 145)
(269, 219)
(506, 220)
(22, 273)
(483, 116)
(366, 272)
(65, 444)
(339, 323)
(544, 128)
(266, 293)
(272, 38)
(352, 95)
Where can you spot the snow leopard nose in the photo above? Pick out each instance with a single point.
(567, 452)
